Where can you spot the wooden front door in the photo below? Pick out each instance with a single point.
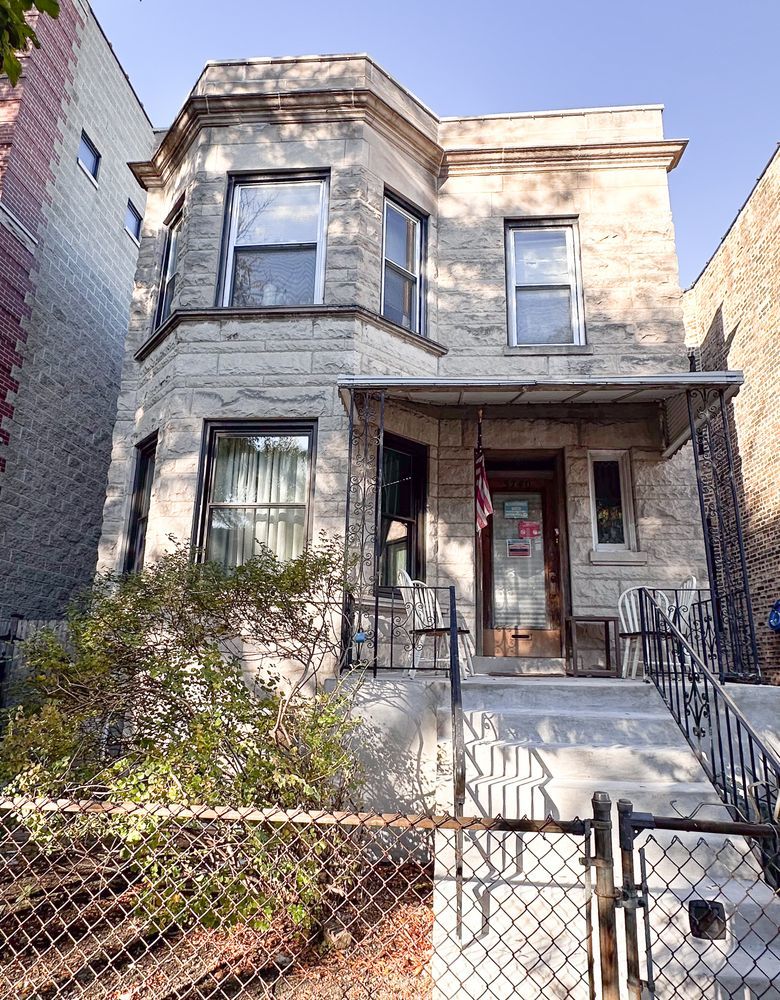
(521, 595)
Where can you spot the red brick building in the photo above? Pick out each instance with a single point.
(732, 315)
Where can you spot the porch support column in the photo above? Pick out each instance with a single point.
(734, 627)
(362, 535)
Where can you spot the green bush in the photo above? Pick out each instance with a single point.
(170, 688)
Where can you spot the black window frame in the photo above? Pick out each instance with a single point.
(172, 225)
(416, 551)
(239, 179)
(212, 431)
(422, 219)
(85, 139)
(133, 211)
(145, 460)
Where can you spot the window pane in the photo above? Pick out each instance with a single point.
(544, 316)
(141, 504)
(235, 534)
(270, 214)
(88, 155)
(261, 469)
(401, 239)
(397, 470)
(541, 257)
(133, 221)
(396, 551)
(609, 503)
(400, 293)
(274, 277)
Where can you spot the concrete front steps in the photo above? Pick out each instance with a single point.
(540, 746)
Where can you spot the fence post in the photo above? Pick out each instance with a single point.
(606, 895)
(630, 897)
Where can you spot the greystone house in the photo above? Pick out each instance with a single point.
(343, 299)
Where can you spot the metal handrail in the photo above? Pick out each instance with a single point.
(744, 771)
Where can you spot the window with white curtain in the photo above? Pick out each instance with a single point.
(258, 486)
(276, 243)
(543, 287)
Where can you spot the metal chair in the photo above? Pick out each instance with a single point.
(427, 625)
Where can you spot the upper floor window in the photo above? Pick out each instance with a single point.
(258, 481)
(141, 501)
(543, 286)
(133, 221)
(276, 243)
(402, 298)
(169, 268)
(88, 156)
(611, 502)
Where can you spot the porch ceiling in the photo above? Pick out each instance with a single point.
(669, 391)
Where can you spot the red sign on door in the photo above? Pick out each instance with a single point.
(529, 529)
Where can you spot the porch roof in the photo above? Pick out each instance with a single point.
(667, 390)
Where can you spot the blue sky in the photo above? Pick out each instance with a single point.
(714, 65)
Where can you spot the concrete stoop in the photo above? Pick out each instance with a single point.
(540, 746)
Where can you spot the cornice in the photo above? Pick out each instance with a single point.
(309, 107)
(510, 159)
(222, 314)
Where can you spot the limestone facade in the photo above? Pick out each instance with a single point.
(343, 117)
(732, 315)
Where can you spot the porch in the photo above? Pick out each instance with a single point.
(593, 494)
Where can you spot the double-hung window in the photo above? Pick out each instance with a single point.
(133, 221)
(141, 500)
(543, 285)
(611, 502)
(257, 491)
(276, 243)
(402, 285)
(404, 469)
(169, 268)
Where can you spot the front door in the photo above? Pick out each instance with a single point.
(521, 566)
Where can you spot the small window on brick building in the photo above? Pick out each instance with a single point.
(89, 157)
(133, 221)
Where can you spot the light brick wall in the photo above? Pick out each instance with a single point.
(733, 319)
(53, 488)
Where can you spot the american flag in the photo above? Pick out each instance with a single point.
(484, 503)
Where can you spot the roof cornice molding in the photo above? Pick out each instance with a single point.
(309, 107)
(510, 159)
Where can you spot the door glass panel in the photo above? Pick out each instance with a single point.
(519, 590)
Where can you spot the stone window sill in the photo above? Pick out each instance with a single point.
(523, 350)
(620, 557)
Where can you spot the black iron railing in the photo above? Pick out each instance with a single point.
(679, 661)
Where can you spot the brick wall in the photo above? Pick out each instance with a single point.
(733, 318)
(69, 298)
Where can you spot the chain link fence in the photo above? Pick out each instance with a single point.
(116, 901)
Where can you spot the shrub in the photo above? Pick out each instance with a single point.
(169, 689)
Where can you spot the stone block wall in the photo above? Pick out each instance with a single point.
(79, 279)
(733, 320)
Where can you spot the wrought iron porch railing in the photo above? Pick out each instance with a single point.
(680, 660)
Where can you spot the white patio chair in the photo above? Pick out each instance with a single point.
(427, 626)
(680, 611)
(631, 627)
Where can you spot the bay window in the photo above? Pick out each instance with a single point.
(257, 491)
(402, 287)
(275, 243)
